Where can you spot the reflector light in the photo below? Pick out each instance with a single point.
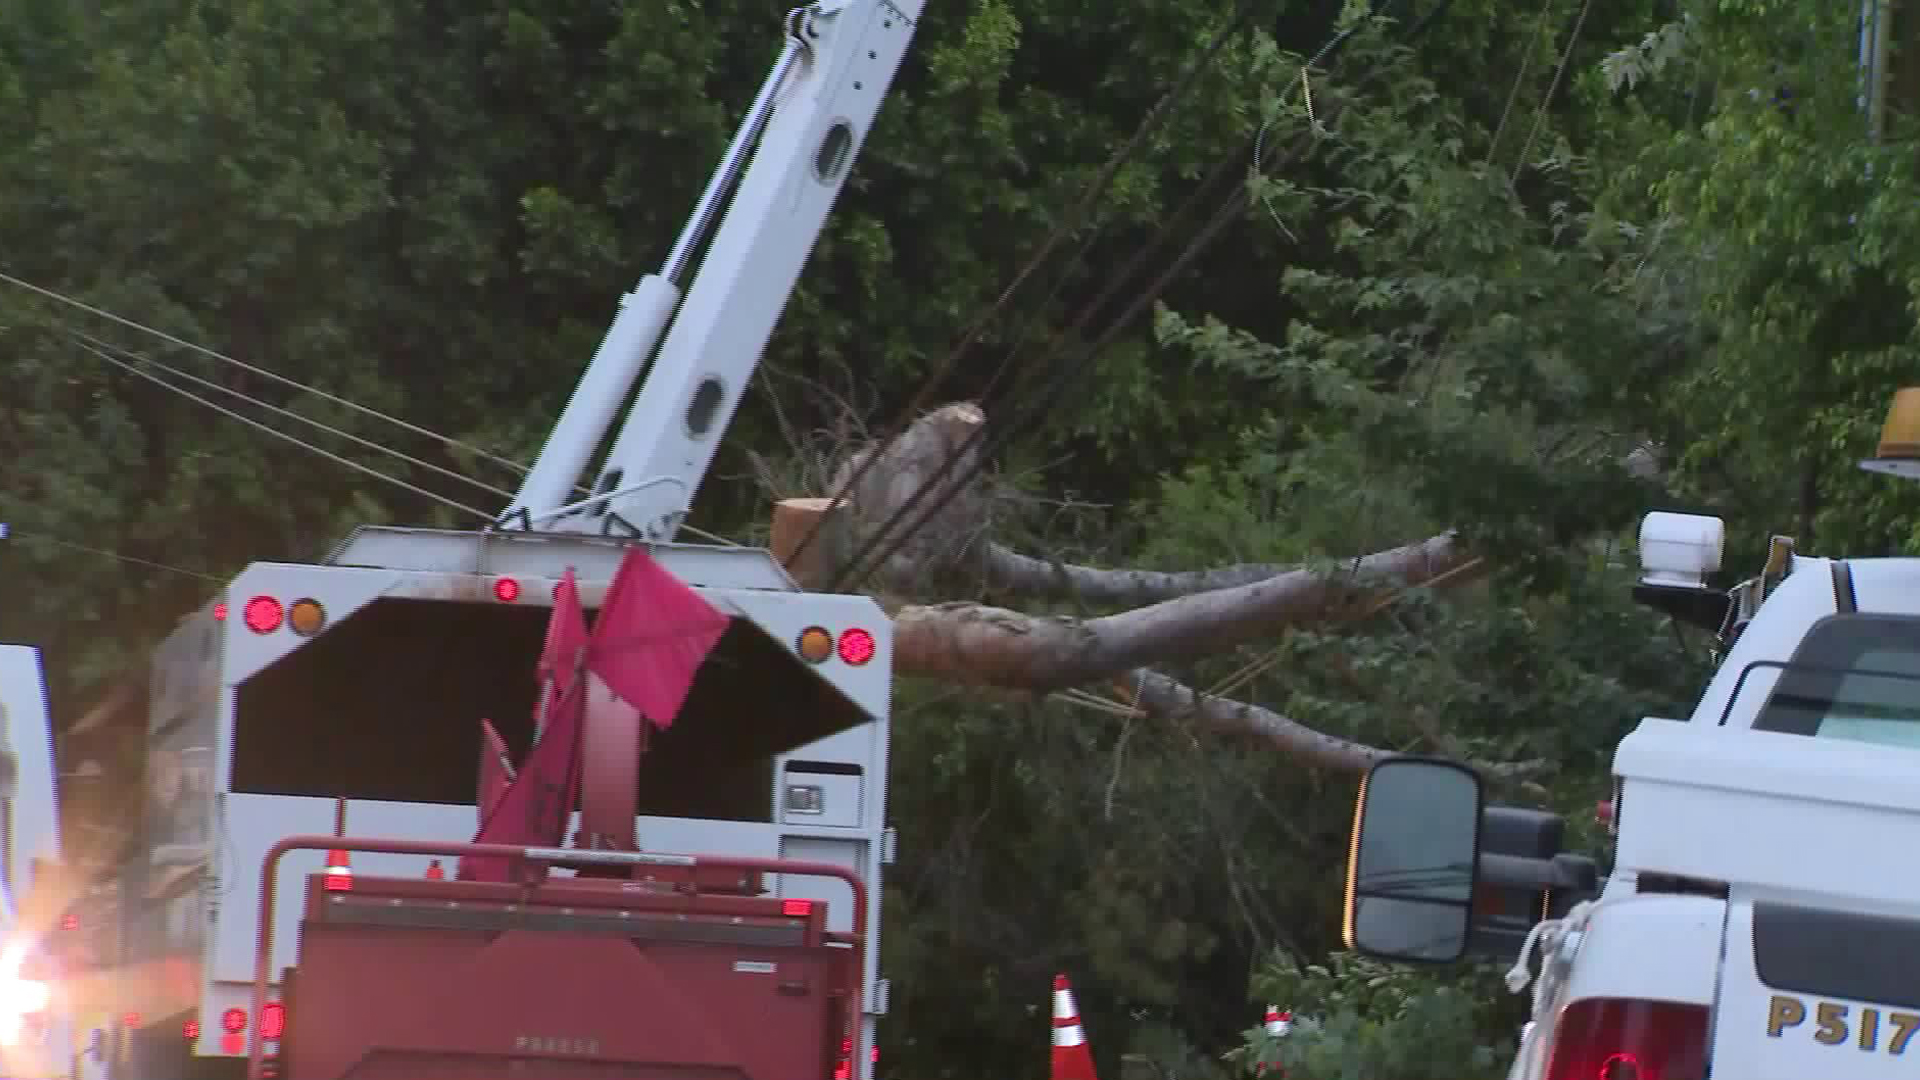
(220, 611)
(1629, 1039)
(434, 871)
(262, 615)
(306, 617)
(856, 646)
(190, 1029)
(815, 644)
(876, 1055)
(273, 1020)
(69, 921)
(339, 873)
(131, 1020)
(506, 590)
(797, 909)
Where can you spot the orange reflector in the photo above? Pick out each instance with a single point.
(815, 644)
(306, 617)
(797, 909)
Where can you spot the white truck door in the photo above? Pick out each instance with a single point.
(1817, 991)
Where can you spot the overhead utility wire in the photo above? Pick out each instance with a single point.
(1075, 220)
(35, 538)
(1228, 212)
(81, 305)
(855, 566)
(96, 343)
(278, 434)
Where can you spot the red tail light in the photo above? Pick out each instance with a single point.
(1629, 1039)
(273, 1020)
(506, 590)
(856, 646)
(233, 1021)
(262, 614)
(796, 909)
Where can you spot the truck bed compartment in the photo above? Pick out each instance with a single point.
(416, 980)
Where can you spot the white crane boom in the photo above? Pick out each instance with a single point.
(783, 171)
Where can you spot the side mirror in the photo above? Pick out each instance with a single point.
(1415, 858)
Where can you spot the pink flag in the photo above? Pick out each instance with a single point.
(652, 636)
(560, 657)
(535, 806)
(496, 769)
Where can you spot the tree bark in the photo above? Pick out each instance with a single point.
(979, 643)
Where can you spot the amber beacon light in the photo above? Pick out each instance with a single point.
(1899, 451)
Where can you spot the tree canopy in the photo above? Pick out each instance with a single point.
(1497, 279)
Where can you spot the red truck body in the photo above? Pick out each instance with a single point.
(670, 966)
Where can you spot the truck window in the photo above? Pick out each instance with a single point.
(387, 705)
(1854, 677)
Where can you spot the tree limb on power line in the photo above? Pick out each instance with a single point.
(1175, 615)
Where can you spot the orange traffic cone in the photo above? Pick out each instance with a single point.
(339, 872)
(1071, 1058)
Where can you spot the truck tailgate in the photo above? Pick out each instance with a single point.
(1810, 991)
(611, 987)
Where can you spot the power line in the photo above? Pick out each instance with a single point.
(35, 538)
(1075, 220)
(97, 344)
(1067, 372)
(278, 434)
(81, 305)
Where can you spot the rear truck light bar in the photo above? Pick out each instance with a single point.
(530, 865)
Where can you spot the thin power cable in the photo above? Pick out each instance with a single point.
(1540, 114)
(278, 434)
(1075, 221)
(1233, 208)
(136, 356)
(81, 305)
(36, 538)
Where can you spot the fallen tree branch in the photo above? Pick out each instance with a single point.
(986, 645)
(1169, 698)
(1011, 571)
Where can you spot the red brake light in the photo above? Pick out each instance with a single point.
(273, 1020)
(506, 590)
(1629, 1039)
(233, 1021)
(856, 646)
(796, 909)
(262, 614)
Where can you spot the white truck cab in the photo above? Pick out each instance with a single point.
(1762, 917)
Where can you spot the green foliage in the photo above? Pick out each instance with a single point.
(1370, 1021)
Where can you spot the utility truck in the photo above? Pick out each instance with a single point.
(1761, 920)
(311, 733)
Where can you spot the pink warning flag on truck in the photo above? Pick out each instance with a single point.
(652, 636)
(535, 805)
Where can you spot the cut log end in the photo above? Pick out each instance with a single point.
(794, 521)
